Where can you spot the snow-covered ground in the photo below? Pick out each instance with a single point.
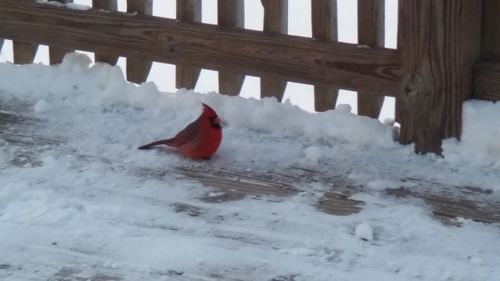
(81, 202)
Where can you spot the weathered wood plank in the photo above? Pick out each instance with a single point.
(231, 13)
(56, 55)
(452, 207)
(371, 32)
(324, 28)
(187, 11)
(487, 81)
(440, 43)
(294, 58)
(24, 52)
(491, 30)
(107, 5)
(137, 67)
(275, 21)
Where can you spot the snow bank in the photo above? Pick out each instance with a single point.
(479, 145)
(103, 86)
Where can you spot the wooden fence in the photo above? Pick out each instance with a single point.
(446, 52)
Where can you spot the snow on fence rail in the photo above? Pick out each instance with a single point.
(430, 74)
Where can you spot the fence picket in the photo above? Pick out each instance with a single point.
(231, 13)
(56, 55)
(138, 68)
(275, 21)
(371, 32)
(324, 27)
(24, 53)
(187, 11)
(108, 5)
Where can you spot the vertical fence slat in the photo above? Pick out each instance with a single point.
(230, 13)
(137, 68)
(56, 55)
(1, 44)
(187, 11)
(491, 30)
(275, 21)
(371, 32)
(324, 27)
(109, 5)
(24, 53)
(439, 41)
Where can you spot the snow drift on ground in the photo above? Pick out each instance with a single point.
(81, 205)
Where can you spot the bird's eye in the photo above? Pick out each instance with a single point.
(215, 121)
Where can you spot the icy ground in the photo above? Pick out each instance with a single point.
(84, 204)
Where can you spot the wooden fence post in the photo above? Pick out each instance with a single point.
(230, 13)
(108, 5)
(275, 21)
(371, 32)
(187, 76)
(137, 68)
(324, 27)
(491, 30)
(440, 41)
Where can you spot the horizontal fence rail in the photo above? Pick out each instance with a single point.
(287, 57)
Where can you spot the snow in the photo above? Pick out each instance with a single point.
(364, 232)
(87, 203)
(481, 130)
(73, 6)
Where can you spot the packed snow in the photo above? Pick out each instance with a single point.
(81, 202)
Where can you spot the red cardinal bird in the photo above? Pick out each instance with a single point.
(199, 140)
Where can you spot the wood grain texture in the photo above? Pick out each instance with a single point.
(293, 58)
(324, 28)
(137, 67)
(371, 32)
(487, 81)
(231, 13)
(491, 30)
(439, 43)
(56, 55)
(107, 5)
(24, 52)
(275, 21)
(187, 11)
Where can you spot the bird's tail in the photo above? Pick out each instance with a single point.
(169, 142)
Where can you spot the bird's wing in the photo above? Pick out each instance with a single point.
(188, 134)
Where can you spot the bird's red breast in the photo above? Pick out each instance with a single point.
(199, 140)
